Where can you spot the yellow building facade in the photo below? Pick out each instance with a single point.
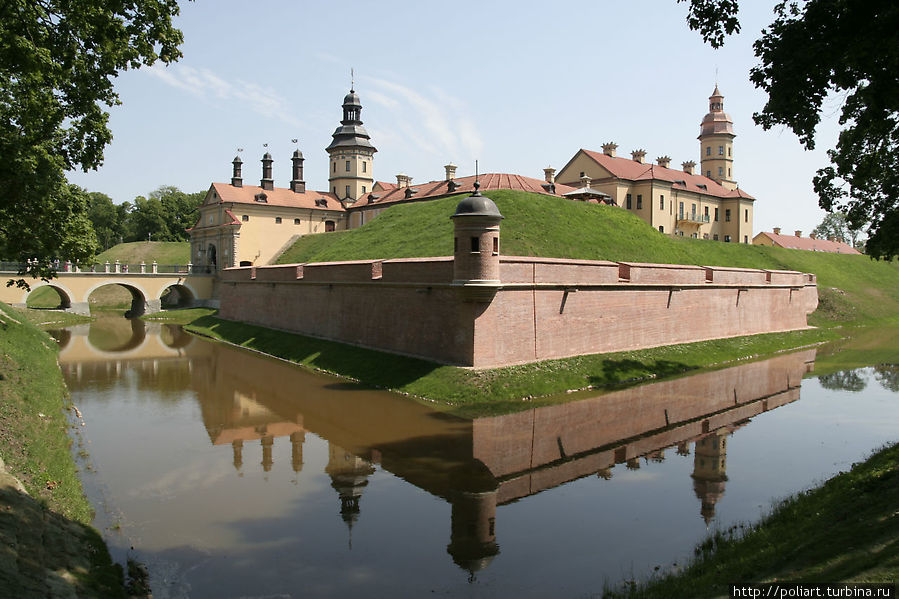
(704, 205)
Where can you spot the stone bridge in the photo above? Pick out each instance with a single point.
(147, 288)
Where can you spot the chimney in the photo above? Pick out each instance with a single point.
(236, 179)
(267, 182)
(638, 155)
(812, 236)
(450, 171)
(609, 148)
(664, 161)
(403, 180)
(585, 181)
(297, 185)
(777, 230)
(688, 166)
(549, 174)
(798, 233)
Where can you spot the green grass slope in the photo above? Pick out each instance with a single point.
(135, 252)
(852, 289)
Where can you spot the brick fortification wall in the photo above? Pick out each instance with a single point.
(543, 308)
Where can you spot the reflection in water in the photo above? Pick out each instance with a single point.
(257, 405)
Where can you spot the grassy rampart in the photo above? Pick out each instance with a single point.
(852, 289)
(135, 252)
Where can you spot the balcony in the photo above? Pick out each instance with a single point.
(692, 217)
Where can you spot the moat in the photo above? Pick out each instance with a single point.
(234, 475)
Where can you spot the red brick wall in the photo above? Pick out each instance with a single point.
(547, 308)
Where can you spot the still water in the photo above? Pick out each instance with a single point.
(234, 475)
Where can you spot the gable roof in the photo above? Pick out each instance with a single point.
(808, 243)
(392, 194)
(279, 196)
(625, 168)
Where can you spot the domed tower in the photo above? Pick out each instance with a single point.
(349, 476)
(351, 152)
(710, 472)
(476, 247)
(716, 143)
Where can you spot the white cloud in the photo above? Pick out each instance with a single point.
(206, 85)
(436, 123)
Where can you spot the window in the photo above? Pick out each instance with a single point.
(364, 167)
(728, 150)
(716, 215)
(627, 202)
(329, 226)
(708, 173)
(347, 191)
(245, 218)
(475, 247)
(727, 215)
(715, 237)
(582, 173)
(693, 210)
(334, 167)
(727, 239)
(746, 216)
(680, 211)
(277, 220)
(721, 150)
(363, 190)
(662, 202)
(728, 172)
(639, 201)
(705, 235)
(334, 190)
(296, 221)
(706, 214)
(746, 239)
(708, 150)
(720, 171)
(347, 166)
(661, 229)
(496, 246)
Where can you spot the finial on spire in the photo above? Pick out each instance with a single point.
(477, 184)
(353, 79)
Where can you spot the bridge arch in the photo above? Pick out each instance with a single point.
(65, 295)
(177, 295)
(139, 300)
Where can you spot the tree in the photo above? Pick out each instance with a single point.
(104, 217)
(817, 51)
(835, 225)
(58, 59)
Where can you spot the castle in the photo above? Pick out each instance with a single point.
(249, 225)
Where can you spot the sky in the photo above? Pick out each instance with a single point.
(517, 86)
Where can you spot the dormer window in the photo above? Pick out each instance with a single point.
(261, 197)
(321, 202)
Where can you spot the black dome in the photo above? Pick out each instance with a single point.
(477, 205)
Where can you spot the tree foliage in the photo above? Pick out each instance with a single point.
(817, 52)
(58, 60)
(835, 225)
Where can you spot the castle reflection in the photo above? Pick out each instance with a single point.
(474, 465)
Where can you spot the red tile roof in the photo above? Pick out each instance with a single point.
(807, 243)
(279, 196)
(435, 189)
(625, 168)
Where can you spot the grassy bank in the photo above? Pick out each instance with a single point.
(852, 289)
(846, 530)
(35, 448)
(135, 252)
(479, 392)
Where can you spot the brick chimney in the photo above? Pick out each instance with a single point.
(777, 230)
(549, 174)
(450, 171)
(297, 185)
(688, 166)
(267, 182)
(609, 148)
(403, 180)
(236, 179)
(585, 181)
(638, 156)
(798, 233)
(664, 161)
(812, 236)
